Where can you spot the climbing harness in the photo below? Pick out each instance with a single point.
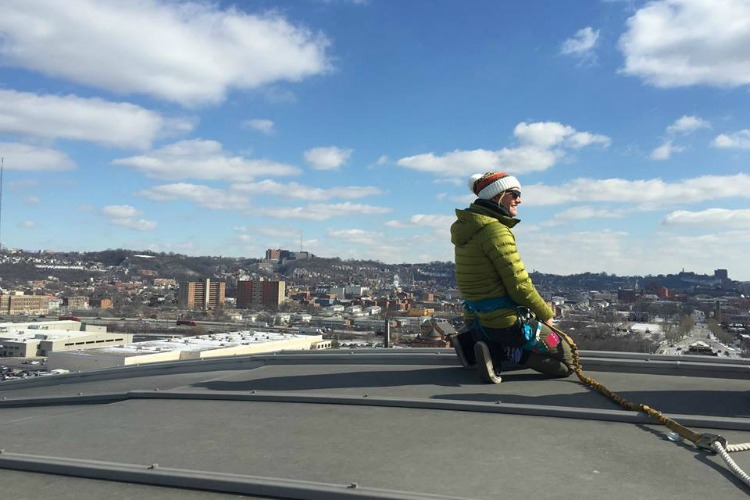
(530, 328)
(705, 441)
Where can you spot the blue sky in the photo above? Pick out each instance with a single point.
(349, 128)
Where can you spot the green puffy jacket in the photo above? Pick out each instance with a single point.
(488, 265)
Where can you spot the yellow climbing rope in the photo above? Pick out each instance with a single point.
(706, 441)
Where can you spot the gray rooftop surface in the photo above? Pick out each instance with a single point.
(376, 423)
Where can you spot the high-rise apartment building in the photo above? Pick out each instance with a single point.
(261, 292)
(204, 294)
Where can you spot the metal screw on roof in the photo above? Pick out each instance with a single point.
(153, 466)
(674, 437)
(353, 485)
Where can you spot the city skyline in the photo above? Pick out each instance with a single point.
(348, 128)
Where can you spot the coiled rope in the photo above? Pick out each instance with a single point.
(706, 441)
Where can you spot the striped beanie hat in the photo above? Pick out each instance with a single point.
(490, 184)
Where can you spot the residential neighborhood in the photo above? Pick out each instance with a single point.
(131, 300)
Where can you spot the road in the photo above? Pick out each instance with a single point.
(700, 332)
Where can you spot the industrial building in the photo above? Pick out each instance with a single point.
(182, 348)
(41, 339)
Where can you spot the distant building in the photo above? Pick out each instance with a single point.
(204, 295)
(721, 274)
(261, 292)
(184, 348)
(626, 295)
(18, 303)
(41, 339)
(76, 302)
(165, 282)
(274, 255)
(434, 332)
(421, 311)
(103, 303)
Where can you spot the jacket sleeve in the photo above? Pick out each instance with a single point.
(499, 245)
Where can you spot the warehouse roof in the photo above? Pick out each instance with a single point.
(377, 423)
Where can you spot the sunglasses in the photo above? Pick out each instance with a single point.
(515, 193)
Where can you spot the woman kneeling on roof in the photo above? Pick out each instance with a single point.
(507, 321)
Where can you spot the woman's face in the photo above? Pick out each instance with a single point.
(510, 199)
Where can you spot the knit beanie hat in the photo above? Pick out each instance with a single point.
(490, 184)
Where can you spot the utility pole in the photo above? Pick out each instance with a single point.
(387, 333)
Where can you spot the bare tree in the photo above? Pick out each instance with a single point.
(719, 332)
(686, 325)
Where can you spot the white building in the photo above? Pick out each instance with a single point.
(353, 310)
(41, 339)
(183, 348)
(355, 290)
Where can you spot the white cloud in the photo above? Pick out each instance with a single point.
(674, 43)
(709, 218)
(355, 2)
(124, 215)
(131, 47)
(423, 220)
(687, 124)
(547, 135)
(382, 160)
(665, 150)
(120, 211)
(635, 254)
(736, 140)
(581, 44)
(275, 231)
(321, 211)
(28, 158)
(586, 212)
(650, 194)
(92, 120)
(202, 159)
(542, 144)
(135, 224)
(278, 95)
(327, 157)
(357, 236)
(294, 190)
(682, 126)
(215, 199)
(27, 224)
(261, 125)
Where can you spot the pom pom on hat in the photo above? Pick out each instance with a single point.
(490, 184)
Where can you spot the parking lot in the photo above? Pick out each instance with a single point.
(11, 368)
